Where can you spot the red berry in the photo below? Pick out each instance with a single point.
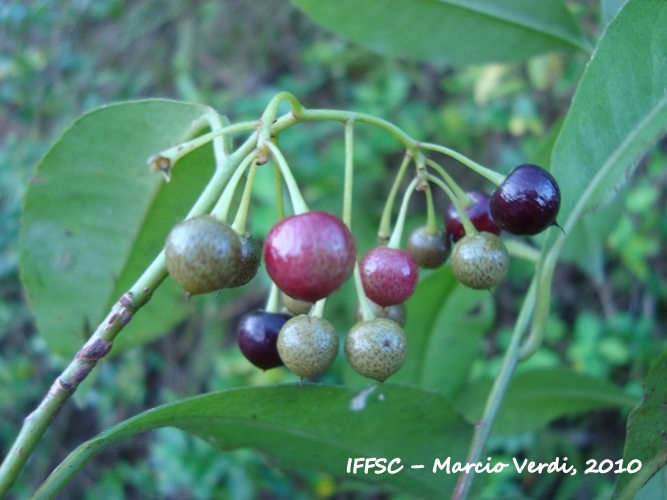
(527, 202)
(478, 213)
(389, 275)
(257, 337)
(310, 255)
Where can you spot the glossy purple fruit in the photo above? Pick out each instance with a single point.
(389, 275)
(478, 213)
(257, 337)
(310, 255)
(527, 201)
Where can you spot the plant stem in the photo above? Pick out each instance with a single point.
(468, 226)
(489, 174)
(395, 241)
(496, 396)
(460, 194)
(366, 311)
(100, 343)
(431, 224)
(349, 173)
(242, 213)
(298, 202)
(385, 222)
(272, 302)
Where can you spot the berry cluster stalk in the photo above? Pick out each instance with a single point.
(258, 148)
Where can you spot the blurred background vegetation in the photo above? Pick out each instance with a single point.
(60, 59)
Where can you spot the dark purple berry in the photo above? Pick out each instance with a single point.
(527, 201)
(478, 213)
(257, 337)
(389, 275)
(429, 250)
(310, 255)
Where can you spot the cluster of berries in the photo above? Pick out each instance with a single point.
(311, 255)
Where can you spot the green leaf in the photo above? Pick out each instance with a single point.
(453, 31)
(446, 322)
(537, 397)
(95, 217)
(647, 430)
(313, 427)
(618, 112)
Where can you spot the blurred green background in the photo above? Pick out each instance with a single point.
(59, 59)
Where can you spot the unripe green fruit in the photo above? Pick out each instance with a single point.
(307, 345)
(397, 313)
(480, 261)
(430, 251)
(202, 254)
(295, 306)
(251, 257)
(376, 349)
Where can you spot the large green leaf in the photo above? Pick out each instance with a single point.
(312, 427)
(95, 217)
(453, 31)
(446, 322)
(619, 109)
(537, 397)
(647, 432)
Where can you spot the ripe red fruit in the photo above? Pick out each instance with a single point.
(479, 214)
(257, 337)
(310, 255)
(527, 202)
(389, 275)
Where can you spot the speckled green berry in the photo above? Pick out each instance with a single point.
(251, 256)
(202, 254)
(295, 306)
(480, 261)
(397, 313)
(376, 349)
(307, 345)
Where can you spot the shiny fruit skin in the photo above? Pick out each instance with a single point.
(251, 258)
(480, 261)
(257, 337)
(430, 251)
(527, 202)
(202, 254)
(479, 214)
(307, 345)
(376, 349)
(389, 275)
(310, 255)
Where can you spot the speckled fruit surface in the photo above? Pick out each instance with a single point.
(480, 261)
(310, 255)
(389, 275)
(527, 202)
(294, 306)
(257, 335)
(307, 345)
(251, 257)
(376, 349)
(430, 251)
(479, 214)
(202, 254)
